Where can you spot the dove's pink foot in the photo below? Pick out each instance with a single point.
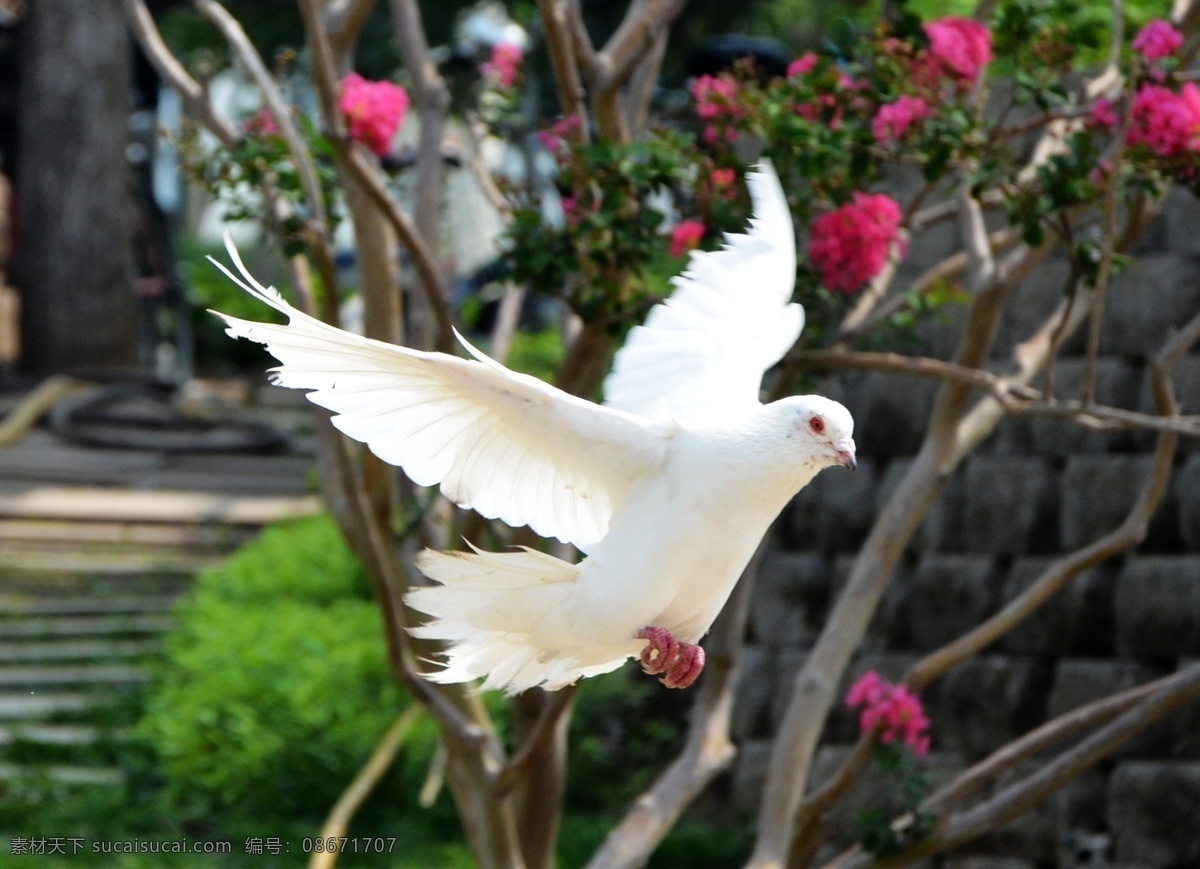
(681, 662)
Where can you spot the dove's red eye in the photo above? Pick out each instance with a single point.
(817, 424)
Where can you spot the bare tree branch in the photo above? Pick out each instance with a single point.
(368, 177)
(1100, 291)
(564, 54)
(173, 72)
(646, 21)
(708, 750)
(1051, 733)
(368, 777)
(232, 30)
(1020, 796)
(1130, 532)
(433, 101)
(344, 20)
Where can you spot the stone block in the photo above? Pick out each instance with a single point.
(1078, 682)
(1009, 505)
(890, 413)
(891, 626)
(942, 528)
(1187, 500)
(834, 512)
(791, 598)
(787, 666)
(1180, 217)
(1186, 381)
(755, 692)
(1076, 621)
(950, 595)
(985, 702)
(1183, 725)
(749, 772)
(1118, 384)
(1149, 302)
(1079, 807)
(1096, 495)
(1032, 835)
(1153, 808)
(1031, 303)
(1158, 606)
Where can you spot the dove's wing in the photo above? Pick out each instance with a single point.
(505, 444)
(701, 353)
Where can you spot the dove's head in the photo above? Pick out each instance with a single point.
(820, 429)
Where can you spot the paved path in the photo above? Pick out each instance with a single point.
(95, 546)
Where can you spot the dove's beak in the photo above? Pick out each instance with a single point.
(845, 453)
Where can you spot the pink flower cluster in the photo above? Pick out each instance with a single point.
(1157, 40)
(374, 111)
(959, 48)
(892, 709)
(802, 65)
(723, 181)
(850, 246)
(554, 138)
(1166, 122)
(504, 64)
(686, 236)
(716, 104)
(261, 123)
(893, 120)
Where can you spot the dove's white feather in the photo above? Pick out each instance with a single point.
(502, 443)
(669, 493)
(701, 354)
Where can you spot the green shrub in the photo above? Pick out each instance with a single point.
(276, 687)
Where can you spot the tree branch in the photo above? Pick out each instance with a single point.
(368, 777)
(173, 72)
(1020, 796)
(367, 176)
(708, 750)
(433, 101)
(564, 56)
(276, 105)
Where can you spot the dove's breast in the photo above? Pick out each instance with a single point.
(678, 544)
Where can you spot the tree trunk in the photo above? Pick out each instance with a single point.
(74, 258)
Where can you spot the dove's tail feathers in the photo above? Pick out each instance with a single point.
(504, 618)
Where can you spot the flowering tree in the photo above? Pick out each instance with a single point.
(913, 97)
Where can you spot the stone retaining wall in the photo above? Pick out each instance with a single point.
(1037, 489)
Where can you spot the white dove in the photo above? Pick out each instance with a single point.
(667, 489)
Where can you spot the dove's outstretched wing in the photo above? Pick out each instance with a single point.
(502, 443)
(701, 354)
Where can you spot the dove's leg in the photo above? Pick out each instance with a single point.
(681, 662)
(661, 652)
(686, 668)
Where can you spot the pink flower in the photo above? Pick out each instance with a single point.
(850, 246)
(374, 111)
(554, 138)
(715, 96)
(1103, 116)
(1164, 121)
(504, 64)
(802, 65)
(1157, 40)
(959, 48)
(261, 123)
(891, 709)
(893, 119)
(723, 179)
(686, 236)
